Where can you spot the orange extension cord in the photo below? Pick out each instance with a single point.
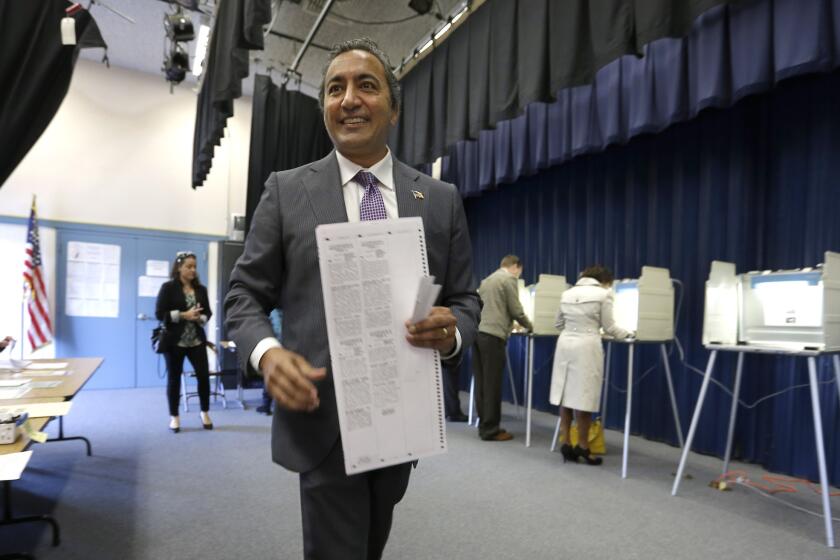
(775, 484)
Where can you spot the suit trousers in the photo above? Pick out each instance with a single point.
(348, 517)
(488, 365)
(451, 399)
(197, 356)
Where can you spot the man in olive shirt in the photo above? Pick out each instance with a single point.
(500, 294)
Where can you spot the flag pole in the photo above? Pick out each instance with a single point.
(22, 311)
(23, 299)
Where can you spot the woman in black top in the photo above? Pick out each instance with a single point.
(183, 307)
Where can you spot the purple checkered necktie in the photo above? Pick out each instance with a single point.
(372, 206)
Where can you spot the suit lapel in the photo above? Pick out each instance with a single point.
(412, 196)
(323, 186)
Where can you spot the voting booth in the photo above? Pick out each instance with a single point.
(790, 313)
(646, 305)
(542, 300)
(786, 309)
(643, 305)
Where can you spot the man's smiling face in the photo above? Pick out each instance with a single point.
(358, 111)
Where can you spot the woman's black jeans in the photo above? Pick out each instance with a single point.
(175, 366)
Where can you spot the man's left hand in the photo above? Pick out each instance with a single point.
(436, 331)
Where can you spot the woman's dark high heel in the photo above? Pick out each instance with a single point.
(568, 453)
(586, 454)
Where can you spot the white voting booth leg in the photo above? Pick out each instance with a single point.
(736, 391)
(512, 383)
(694, 421)
(667, 366)
(530, 395)
(472, 402)
(818, 434)
(630, 348)
(606, 386)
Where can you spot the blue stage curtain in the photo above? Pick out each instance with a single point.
(510, 53)
(755, 184)
(732, 51)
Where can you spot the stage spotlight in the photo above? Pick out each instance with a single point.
(178, 26)
(421, 6)
(176, 65)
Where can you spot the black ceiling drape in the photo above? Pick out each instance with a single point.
(287, 131)
(35, 71)
(237, 29)
(510, 53)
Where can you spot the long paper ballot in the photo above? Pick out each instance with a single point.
(388, 392)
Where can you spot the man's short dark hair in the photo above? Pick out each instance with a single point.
(367, 45)
(510, 260)
(600, 273)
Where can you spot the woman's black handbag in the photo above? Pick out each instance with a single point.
(158, 339)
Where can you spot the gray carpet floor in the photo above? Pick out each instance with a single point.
(149, 494)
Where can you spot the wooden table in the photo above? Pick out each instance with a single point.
(81, 370)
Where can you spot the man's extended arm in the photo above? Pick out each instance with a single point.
(254, 287)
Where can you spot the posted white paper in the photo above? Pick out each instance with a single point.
(388, 392)
(12, 464)
(93, 280)
(157, 268)
(149, 286)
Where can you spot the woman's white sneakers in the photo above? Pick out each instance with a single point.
(174, 424)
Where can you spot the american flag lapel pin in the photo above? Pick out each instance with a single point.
(417, 195)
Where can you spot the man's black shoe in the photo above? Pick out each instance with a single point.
(264, 409)
(460, 417)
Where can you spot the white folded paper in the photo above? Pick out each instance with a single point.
(39, 410)
(12, 464)
(47, 365)
(427, 293)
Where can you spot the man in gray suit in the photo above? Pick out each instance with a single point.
(347, 517)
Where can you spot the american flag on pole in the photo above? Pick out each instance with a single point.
(40, 332)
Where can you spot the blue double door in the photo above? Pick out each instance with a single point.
(90, 322)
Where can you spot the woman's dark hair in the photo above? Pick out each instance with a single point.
(600, 273)
(175, 273)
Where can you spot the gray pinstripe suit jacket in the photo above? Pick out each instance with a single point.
(279, 268)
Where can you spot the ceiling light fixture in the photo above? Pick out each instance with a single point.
(428, 44)
(421, 6)
(442, 30)
(179, 29)
(201, 49)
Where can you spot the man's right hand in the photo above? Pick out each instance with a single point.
(289, 379)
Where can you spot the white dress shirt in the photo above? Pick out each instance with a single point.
(353, 192)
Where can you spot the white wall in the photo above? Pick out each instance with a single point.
(119, 152)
